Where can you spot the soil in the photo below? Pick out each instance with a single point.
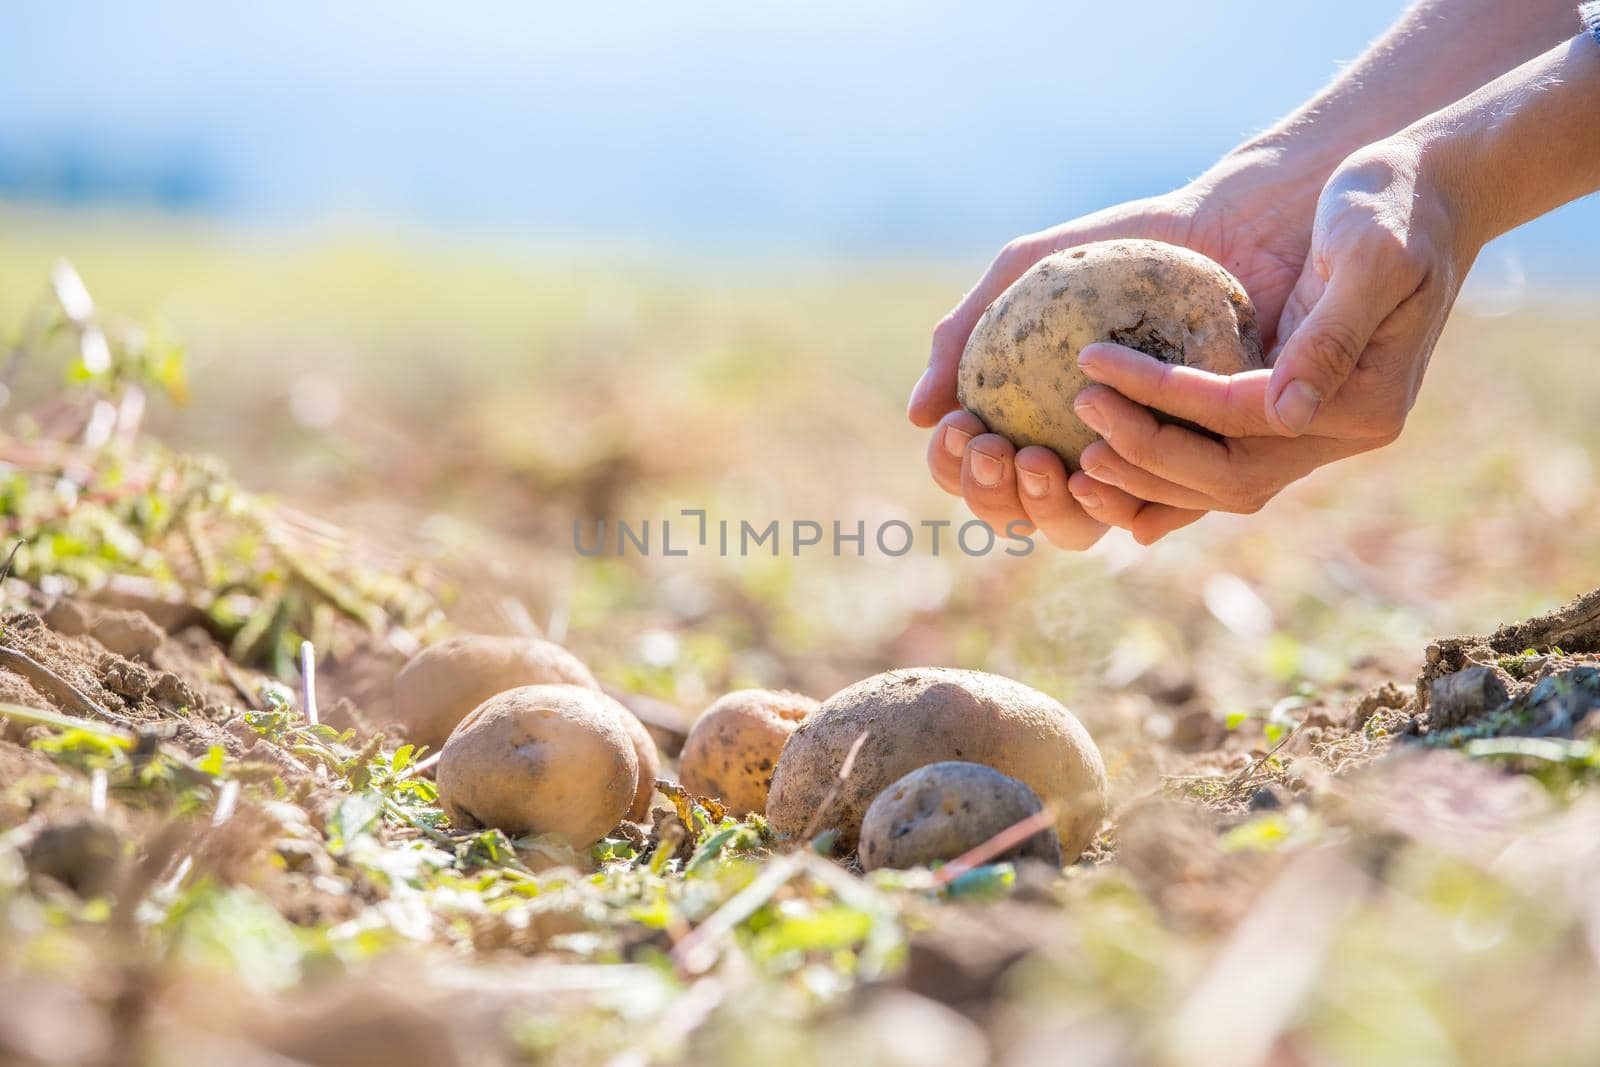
(1166, 838)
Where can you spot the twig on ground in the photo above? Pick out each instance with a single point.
(1000, 843)
(832, 794)
(697, 951)
(59, 688)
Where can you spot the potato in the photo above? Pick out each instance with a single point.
(644, 747)
(445, 681)
(732, 748)
(541, 759)
(944, 810)
(1019, 372)
(927, 715)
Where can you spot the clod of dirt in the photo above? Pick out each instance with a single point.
(1573, 627)
(962, 960)
(944, 810)
(541, 759)
(15, 689)
(85, 855)
(1019, 372)
(125, 678)
(445, 681)
(733, 748)
(905, 719)
(1462, 696)
(127, 633)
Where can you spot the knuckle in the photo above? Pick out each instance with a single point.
(1332, 347)
(1385, 419)
(1243, 500)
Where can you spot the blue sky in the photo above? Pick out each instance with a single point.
(835, 127)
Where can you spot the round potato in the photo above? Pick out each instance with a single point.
(541, 759)
(943, 810)
(733, 748)
(1019, 372)
(910, 718)
(445, 681)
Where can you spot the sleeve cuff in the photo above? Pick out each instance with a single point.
(1590, 13)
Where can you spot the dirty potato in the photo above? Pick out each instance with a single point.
(1019, 372)
(541, 759)
(943, 810)
(906, 719)
(733, 748)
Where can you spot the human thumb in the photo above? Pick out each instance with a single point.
(1319, 354)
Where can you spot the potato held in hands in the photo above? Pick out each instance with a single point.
(1019, 372)
(542, 759)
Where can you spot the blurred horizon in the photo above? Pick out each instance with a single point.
(830, 132)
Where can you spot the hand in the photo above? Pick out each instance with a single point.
(1252, 214)
(1387, 259)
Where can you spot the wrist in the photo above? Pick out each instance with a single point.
(1291, 175)
(1446, 159)
(1519, 147)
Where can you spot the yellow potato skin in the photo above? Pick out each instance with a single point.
(541, 759)
(1019, 372)
(733, 748)
(924, 715)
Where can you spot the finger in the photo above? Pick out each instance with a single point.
(935, 391)
(947, 447)
(1319, 355)
(1162, 448)
(1103, 503)
(1042, 485)
(1226, 404)
(1156, 521)
(989, 482)
(1104, 465)
(1169, 464)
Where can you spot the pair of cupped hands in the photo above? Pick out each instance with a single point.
(1352, 280)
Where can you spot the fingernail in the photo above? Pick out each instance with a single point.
(917, 391)
(986, 469)
(1090, 415)
(1297, 405)
(955, 441)
(1033, 483)
(1089, 357)
(1103, 474)
(1088, 500)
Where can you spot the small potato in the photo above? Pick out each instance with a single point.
(1019, 372)
(943, 810)
(906, 719)
(541, 759)
(733, 748)
(445, 681)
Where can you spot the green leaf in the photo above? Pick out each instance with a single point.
(211, 762)
(355, 816)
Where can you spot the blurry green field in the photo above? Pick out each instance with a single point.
(482, 397)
